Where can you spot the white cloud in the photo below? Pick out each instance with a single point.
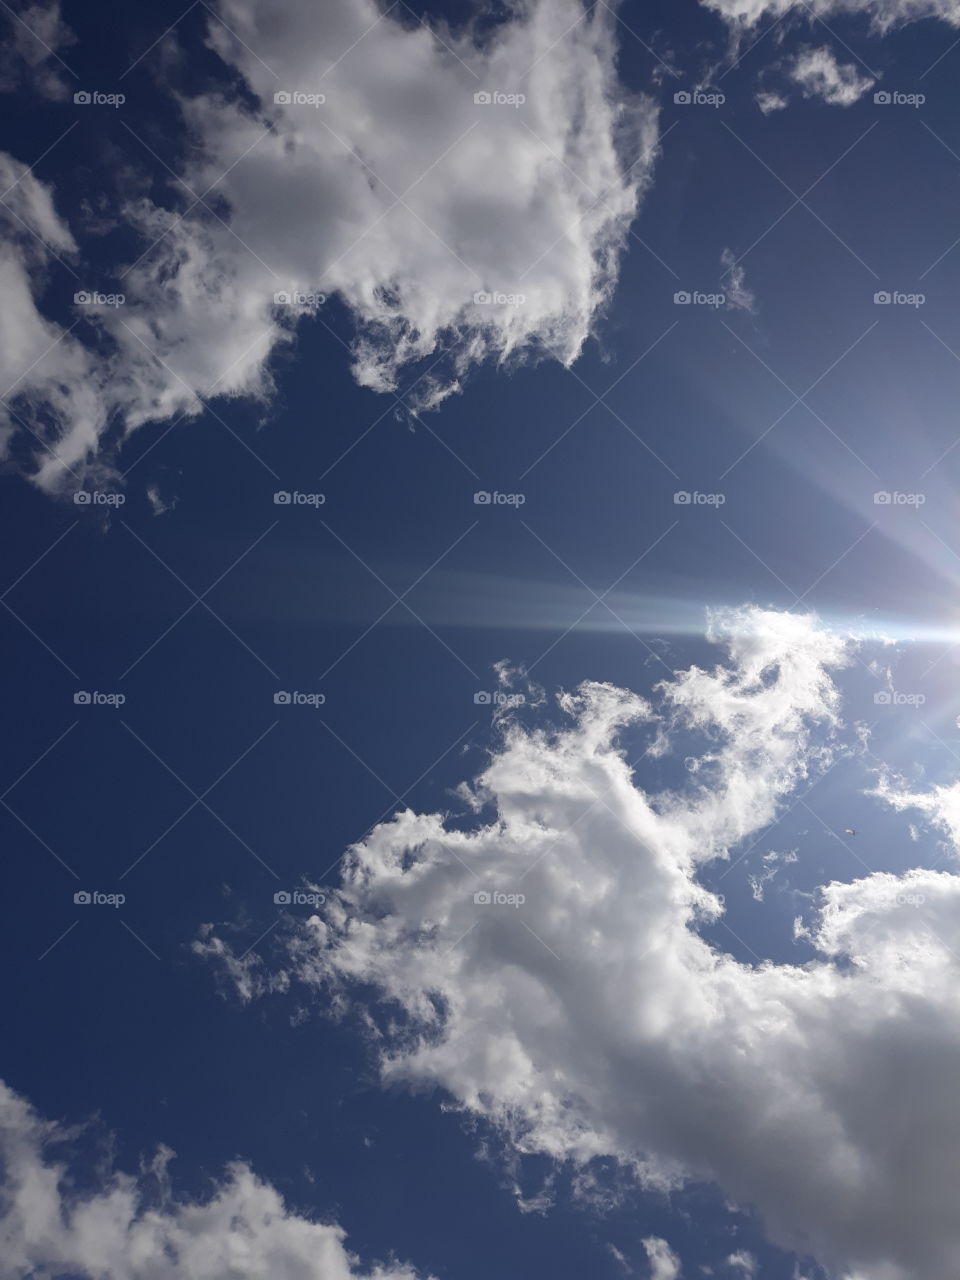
(158, 504)
(664, 1263)
(734, 281)
(772, 862)
(243, 974)
(32, 214)
(593, 1019)
(126, 1228)
(399, 195)
(768, 101)
(46, 373)
(883, 14)
(941, 804)
(820, 75)
(743, 1262)
(30, 53)
(620, 1259)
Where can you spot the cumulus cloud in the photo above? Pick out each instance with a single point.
(547, 968)
(466, 195)
(133, 1228)
(883, 14)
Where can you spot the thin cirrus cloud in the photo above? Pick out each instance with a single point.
(593, 1019)
(463, 193)
(134, 1228)
(734, 280)
(883, 15)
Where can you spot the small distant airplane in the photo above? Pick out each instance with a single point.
(849, 831)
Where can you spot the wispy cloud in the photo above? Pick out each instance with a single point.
(884, 14)
(734, 282)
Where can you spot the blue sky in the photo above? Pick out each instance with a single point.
(717, 1036)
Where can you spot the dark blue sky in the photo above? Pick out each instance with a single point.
(116, 1016)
